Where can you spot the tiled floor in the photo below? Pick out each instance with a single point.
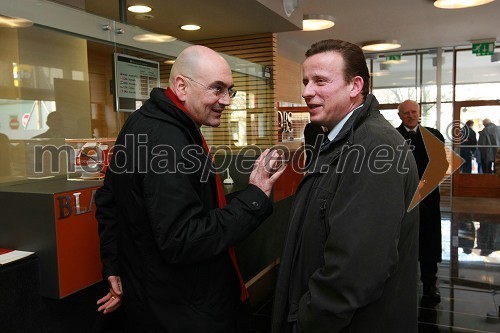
(469, 276)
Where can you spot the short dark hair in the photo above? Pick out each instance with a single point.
(354, 59)
(469, 123)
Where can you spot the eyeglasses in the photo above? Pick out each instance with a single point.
(218, 91)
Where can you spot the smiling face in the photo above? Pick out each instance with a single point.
(204, 106)
(326, 93)
(199, 73)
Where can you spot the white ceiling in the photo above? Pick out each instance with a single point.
(416, 23)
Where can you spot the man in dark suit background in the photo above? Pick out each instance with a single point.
(468, 138)
(430, 212)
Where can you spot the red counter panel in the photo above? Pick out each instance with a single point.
(77, 240)
(56, 220)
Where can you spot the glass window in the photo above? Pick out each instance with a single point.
(44, 98)
(392, 116)
(477, 77)
(394, 80)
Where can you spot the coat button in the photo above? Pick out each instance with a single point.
(255, 204)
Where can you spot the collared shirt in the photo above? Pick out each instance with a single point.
(336, 129)
(411, 129)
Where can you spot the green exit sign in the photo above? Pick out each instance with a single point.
(393, 57)
(481, 49)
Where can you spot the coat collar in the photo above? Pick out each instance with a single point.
(161, 107)
(346, 136)
(370, 106)
(165, 108)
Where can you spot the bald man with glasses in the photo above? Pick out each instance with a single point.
(167, 235)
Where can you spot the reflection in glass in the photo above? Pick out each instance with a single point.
(238, 128)
(44, 98)
(480, 139)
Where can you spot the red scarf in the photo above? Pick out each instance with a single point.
(221, 198)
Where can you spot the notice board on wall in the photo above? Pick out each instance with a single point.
(134, 79)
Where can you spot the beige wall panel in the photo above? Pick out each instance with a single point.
(289, 83)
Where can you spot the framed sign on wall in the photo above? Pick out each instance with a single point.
(134, 79)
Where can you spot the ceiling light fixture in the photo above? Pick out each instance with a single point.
(14, 22)
(139, 9)
(380, 45)
(190, 27)
(457, 4)
(495, 57)
(154, 38)
(313, 22)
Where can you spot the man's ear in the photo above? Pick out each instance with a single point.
(180, 88)
(357, 86)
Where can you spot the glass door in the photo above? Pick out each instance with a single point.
(476, 133)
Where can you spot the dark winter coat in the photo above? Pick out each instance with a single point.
(161, 230)
(489, 136)
(430, 249)
(350, 257)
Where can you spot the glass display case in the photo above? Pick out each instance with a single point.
(88, 158)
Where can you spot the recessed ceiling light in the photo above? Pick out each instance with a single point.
(169, 61)
(14, 22)
(154, 38)
(380, 45)
(139, 9)
(190, 27)
(313, 22)
(457, 4)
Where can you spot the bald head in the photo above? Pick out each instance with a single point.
(408, 104)
(409, 113)
(196, 61)
(202, 81)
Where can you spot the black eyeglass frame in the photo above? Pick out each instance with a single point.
(217, 91)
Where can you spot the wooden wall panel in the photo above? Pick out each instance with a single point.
(289, 75)
(251, 118)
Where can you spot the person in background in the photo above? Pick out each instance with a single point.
(489, 137)
(350, 258)
(55, 122)
(430, 211)
(166, 233)
(468, 136)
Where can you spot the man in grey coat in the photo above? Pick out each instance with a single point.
(350, 257)
(489, 139)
